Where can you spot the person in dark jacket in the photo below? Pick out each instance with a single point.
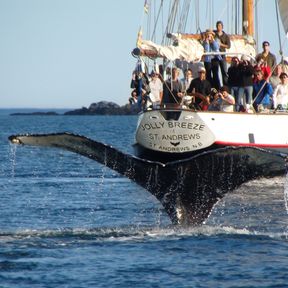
(234, 79)
(246, 84)
(200, 85)
(140, 84)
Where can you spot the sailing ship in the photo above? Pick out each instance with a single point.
(188, 189)
(170, 131)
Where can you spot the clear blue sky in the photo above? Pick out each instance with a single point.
(71, 53)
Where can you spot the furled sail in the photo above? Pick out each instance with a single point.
(283, 10)
(187, 47)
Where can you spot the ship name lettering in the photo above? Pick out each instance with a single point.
(152, 126)
(184, 137)
(186, 125)
(153, 136)
(174, 149)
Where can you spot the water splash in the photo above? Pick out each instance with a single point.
(286, 191)
(12, 159)
(103, 173)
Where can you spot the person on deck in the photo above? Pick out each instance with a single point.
(224, 43)
(234, 78)
(211, 62)
(274, 80)
(140, 83)
(262, 65)
(200, 85)
(188, 77)
(173, 88)
(246, 85)
(284, 65)
(280, 95)
(262, 92)
(223, 101)
(267, 56)
(133, 98)
(156, 88)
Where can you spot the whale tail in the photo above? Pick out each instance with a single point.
(188, 189)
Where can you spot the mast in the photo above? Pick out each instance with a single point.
(248, 17)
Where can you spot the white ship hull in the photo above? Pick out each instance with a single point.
(181, 132)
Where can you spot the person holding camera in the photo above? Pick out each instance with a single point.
(211, 62)
(223, 101)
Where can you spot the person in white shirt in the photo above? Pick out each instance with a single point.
(223, 101)
(275, 77)
(227, 101)
(280, 95)
(156, 88)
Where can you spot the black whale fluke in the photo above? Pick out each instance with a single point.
(188, 189)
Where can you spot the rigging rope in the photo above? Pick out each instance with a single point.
(278, 26)
(197, 13)
(156, 20)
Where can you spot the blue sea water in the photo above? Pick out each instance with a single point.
(67, 221)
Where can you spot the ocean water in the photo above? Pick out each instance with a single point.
(67, 221)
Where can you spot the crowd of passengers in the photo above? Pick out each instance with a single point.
(246, 86)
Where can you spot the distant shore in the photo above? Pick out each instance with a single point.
(99, 108)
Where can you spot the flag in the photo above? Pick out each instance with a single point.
(146, 6)
(139, 38)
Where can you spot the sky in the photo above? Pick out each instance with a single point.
(71, 53)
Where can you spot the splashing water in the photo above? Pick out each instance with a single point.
(286, 191)
(12, 159)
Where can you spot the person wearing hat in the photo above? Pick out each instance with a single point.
(280, 95)
(224, 43)
(211, 62)
(200, 85)
(267, 56)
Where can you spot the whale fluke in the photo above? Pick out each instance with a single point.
(188, 189)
